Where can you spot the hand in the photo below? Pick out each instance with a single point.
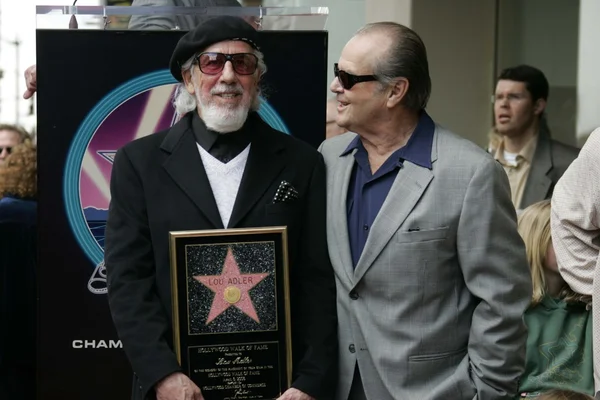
(177, 386)
(295, 394)
(30, 81)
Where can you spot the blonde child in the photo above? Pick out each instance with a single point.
(559, 344)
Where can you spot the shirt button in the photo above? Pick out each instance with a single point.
(366, 227)
(354, 295)
(352, 349)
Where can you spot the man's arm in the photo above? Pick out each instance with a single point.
(158, 22)
(317, 371)
(138, 315)
(494, 264)
(575, 221)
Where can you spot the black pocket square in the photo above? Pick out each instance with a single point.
(285, 193)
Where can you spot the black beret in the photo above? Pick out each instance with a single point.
(211, 31)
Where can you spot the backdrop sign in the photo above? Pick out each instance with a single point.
(98, 90)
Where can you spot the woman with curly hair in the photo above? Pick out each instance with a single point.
(18, 210)
(18, 174)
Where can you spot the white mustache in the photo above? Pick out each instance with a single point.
(227, 89)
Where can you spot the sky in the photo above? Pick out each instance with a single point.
(18, 21)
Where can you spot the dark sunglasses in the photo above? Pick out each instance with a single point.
(7, 148)
(348, 80)
(213, 63)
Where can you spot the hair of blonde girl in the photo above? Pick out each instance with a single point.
(534, 227)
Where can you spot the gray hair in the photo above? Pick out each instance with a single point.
(184, 102)
(407, 58)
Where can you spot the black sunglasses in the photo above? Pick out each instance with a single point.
(213, 63)
(348, 80)
(7, 148)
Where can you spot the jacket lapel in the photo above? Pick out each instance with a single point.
(407, 189)
(338, 211)
(185, 167)
(538, 183)
(265, 161)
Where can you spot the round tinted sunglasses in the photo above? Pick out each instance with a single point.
(348, 80)
(213, 63)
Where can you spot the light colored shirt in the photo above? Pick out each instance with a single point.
(575, 225)
(225, 179)
(517, 167)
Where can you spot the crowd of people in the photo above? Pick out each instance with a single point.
(422, 266)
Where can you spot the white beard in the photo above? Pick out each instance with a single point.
(222, 119)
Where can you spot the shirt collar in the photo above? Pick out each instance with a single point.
(418, 148)
(204, 136)
(528, 150)
(526, 153)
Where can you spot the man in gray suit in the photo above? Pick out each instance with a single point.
(431, 273)
(532, 160)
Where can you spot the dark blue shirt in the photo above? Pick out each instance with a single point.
(367, 192)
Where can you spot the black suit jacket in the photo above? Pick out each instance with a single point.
(158, 185)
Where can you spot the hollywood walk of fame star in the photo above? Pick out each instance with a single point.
(231, 289)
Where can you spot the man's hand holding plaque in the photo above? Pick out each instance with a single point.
(295, 394)
(177, 386)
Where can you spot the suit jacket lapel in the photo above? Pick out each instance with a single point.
(407, 189)
(265, 161)
(338, 211)
(538, 183)
(185, 167)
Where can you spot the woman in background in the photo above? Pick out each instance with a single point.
(18, 211)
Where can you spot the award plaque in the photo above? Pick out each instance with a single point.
(231, 311)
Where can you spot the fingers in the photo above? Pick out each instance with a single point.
(197, 394)
(28, 93)
(30, 81)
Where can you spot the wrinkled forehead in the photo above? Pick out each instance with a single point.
(229, 47)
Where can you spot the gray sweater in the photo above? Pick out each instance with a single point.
(168, 22)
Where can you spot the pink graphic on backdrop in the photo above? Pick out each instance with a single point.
(120, 127)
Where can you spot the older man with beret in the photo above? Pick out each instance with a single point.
(218, 167)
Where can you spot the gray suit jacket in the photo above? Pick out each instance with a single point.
(550, 161)
(433, 310)
(167, 22)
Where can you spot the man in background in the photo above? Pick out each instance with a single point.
(532, 160)
(168, 22)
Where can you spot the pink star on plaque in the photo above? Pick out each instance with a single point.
(231, 289)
